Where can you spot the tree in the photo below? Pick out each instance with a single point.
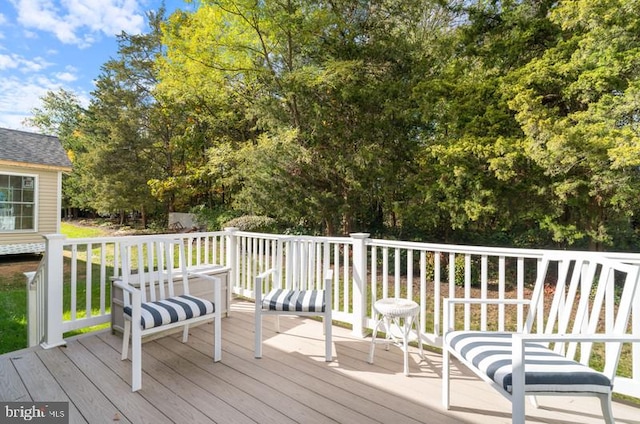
(474, 172)
(578, 106)
(138, 155)
(62, 115)
(332, 74)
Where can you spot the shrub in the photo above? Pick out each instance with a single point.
(261, 224)
(475, 271)
(213, 219)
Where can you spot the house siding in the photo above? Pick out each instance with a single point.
(47, 214)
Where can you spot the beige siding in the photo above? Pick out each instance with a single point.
(47, 215)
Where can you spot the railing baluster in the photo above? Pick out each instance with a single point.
(374, 279)
(74, 281)
(467, 290)
(385, 272)
(88, 281)
(436, 293)
(501, 292)
(484, 282)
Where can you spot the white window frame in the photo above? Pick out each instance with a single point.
(36, 199)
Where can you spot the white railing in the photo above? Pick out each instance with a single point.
(364, 270)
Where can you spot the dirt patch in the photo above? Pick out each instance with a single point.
(12, 264)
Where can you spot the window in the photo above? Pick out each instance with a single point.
(17, 202)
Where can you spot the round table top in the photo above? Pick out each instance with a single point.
(396, 307)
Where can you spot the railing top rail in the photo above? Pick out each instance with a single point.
(118, 239)
(283, 237)
(633, 258)
(453, 248)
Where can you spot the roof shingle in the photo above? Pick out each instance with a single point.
(26, 147)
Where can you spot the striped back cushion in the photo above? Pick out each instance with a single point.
(172, 309)
(294, 300)
(545, 371)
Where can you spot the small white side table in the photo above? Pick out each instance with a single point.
(398, 318)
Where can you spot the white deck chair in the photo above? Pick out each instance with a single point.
(150, 303)
(304, 287)
(586, 287)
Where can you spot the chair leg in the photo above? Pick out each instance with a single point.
(405, 343)
(277, 321)
(327, 338)
(136, 359)
(607, 411)
(125, 340)
(217, 338)
(445, 378)
(185, 333)
(258, 332)
(373, 342)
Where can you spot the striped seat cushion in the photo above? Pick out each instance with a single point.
(294, 300)
(545, 371)
(172, 309)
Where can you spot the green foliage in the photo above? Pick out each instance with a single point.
(487, 122)
(214, 219)
(460, 267)
(263, 224)
(577, 104)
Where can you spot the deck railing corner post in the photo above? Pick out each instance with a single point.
(360, 290)
(232, 246)
(53, 282)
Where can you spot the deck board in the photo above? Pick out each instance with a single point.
(12, 388)
(176, 408)
(40, 383)
(290, 384)
(85, 395)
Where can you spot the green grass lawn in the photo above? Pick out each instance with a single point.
(13, 293)
(13, 307)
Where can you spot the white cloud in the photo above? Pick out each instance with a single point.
(19, 96)
(17, 62)
(26, 69)
(80, 22)
(66, 76)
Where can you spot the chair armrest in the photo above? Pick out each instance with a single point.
(206, 269)
(596, 338)
(266, 273)
(124, 286)
(257, 285)
(132, 296)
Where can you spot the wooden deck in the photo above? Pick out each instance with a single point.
(290, 384)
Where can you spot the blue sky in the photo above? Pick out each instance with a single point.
(46, 45)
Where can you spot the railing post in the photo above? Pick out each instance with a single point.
(232, 246)
(53, 282)
(359, 295)
(32, 315)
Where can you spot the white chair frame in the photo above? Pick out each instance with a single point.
(155, 281)
(302, 273)
(592, 274)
